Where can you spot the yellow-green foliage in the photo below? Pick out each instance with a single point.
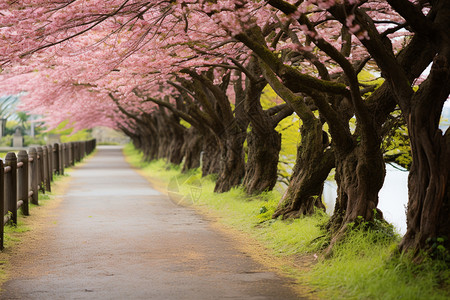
(290, 138)
(185, 124)
(6, 141)
(37, 140)
(81, 135)
(67, 134)
(368, 78)
(269, 98)
(398, 144)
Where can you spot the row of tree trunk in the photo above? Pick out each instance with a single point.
(220, 127)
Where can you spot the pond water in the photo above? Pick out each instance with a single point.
(393, 197)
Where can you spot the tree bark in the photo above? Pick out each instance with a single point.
(176, 133)
(175, 149)
(164, 138)
(149, 140)
(262, 162)
(232, 163)
(263, 141)
(428, 203)
(428, 182)
(228, 126)
(210, 156)
(192, 148)
(312, 166)
(360, 175)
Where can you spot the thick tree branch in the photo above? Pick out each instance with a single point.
(380, 51)
(297, 102)
(276, 109)
(124, 111)
(243, 69)
(281, 115)
(413, 15)
(303, 80)
(169, 106)
(220, 96)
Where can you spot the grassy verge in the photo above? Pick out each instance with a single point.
(12, 234)
(364, 266)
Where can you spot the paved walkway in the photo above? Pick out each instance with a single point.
(117, 238)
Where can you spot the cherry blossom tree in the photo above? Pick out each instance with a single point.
(429, 202)
(141, 66)
(359, 169)
(336, 101)
(131, 57)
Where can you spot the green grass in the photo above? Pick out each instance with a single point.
(11, 232)
(364, 266)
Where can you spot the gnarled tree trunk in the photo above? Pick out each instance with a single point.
(149, 141)
(312, 166)
(232, 164)
(175, 153)
(263, 141)
(176, 135)
(262, 163)
(428, 183)
(360, 173)
(210, 156)
(192, 148)
(429, 202)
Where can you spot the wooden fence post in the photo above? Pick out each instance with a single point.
(21, 177)
(71, 154)
(11, 185)
(40, 153)
(83, 143)
(64, 147)
(45, 169)
(56, 158)
(67, 155)
(61, 159)
(33, 170)
(77, 151)
(80, 149)
(93, 145)
(63, 155)
(22, 180)
(2, 202)
(50, 163)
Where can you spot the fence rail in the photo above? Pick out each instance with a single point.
(24, 175)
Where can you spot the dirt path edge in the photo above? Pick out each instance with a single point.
(288, 266)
